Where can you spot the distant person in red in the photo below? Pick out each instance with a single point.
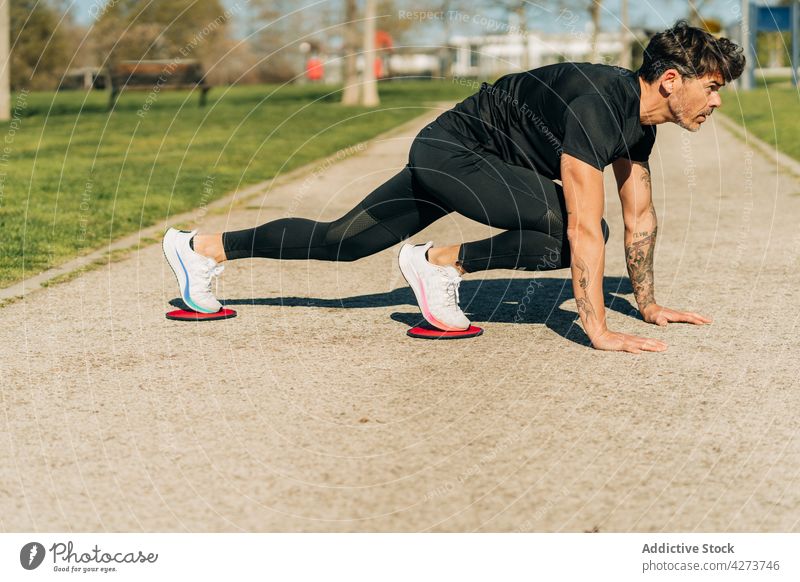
(314, 69)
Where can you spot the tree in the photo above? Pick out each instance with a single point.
(39, 53)
(625, 58)
(445, 52)
(594, 9)
(5, 83)
(351, 91)
(276, 30)
(519, 9)
(694, 12)
(159, 29)
(594, 13)
(370, 85)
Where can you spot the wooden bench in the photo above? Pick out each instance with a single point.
(157, 76)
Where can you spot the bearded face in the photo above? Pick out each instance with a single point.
(694, 100)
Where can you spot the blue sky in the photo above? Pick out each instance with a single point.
(651, 13)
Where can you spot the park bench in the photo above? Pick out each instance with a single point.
(156, 76)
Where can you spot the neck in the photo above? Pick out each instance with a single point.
(653, 107)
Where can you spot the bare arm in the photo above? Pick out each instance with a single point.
(583, 194)
(641, 227)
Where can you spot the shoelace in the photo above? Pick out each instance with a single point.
(210, 271)
(452, 289)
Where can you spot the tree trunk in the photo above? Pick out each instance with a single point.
(370, 96)
(625, 59)
(5, 60)
(350, 93)
(594, 11)
(694, 14)
(695, 7)
(523, 31)
(445, 56)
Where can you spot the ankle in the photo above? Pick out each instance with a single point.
(445, 257)
(209, 245)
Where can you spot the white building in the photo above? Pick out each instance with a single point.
(495, 55)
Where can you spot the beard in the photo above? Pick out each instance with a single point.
(684, 120)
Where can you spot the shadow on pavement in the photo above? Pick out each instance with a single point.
(531, 301)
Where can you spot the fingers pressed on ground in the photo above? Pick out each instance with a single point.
(654, 348)
(654, 345)
(691, 317)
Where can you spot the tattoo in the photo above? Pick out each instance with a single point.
(584, 278)
(639, 258)
(645, 173)
(585, 306)
(583, 303)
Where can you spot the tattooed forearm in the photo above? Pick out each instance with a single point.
(583, 303)
(639, 258)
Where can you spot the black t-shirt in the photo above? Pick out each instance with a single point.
(529, 119)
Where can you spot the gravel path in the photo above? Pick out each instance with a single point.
(313, 411)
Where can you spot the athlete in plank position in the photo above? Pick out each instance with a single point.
(494, 158)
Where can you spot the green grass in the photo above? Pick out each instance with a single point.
(73, 177)
(770, 112)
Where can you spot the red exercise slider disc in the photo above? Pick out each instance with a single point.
(186, 315)
(429, 332)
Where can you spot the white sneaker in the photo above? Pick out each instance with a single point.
(193, 271)
(435, 287)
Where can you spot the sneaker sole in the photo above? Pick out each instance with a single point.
(415, 282)
(174, 262)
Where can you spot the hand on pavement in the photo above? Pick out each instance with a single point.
(658, 315)
(623, 342)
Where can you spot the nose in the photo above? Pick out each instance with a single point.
(715, 100)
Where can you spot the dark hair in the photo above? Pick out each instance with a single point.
(692, 52)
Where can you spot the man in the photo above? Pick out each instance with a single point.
(494, 158)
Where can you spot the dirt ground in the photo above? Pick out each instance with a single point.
(312, 411)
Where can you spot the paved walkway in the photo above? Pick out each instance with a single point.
(313, 411)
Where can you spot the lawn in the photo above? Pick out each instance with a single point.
(73, 177)
(770, 112)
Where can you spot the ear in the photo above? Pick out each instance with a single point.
(670, 81)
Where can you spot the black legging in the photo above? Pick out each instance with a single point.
(442, 176)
